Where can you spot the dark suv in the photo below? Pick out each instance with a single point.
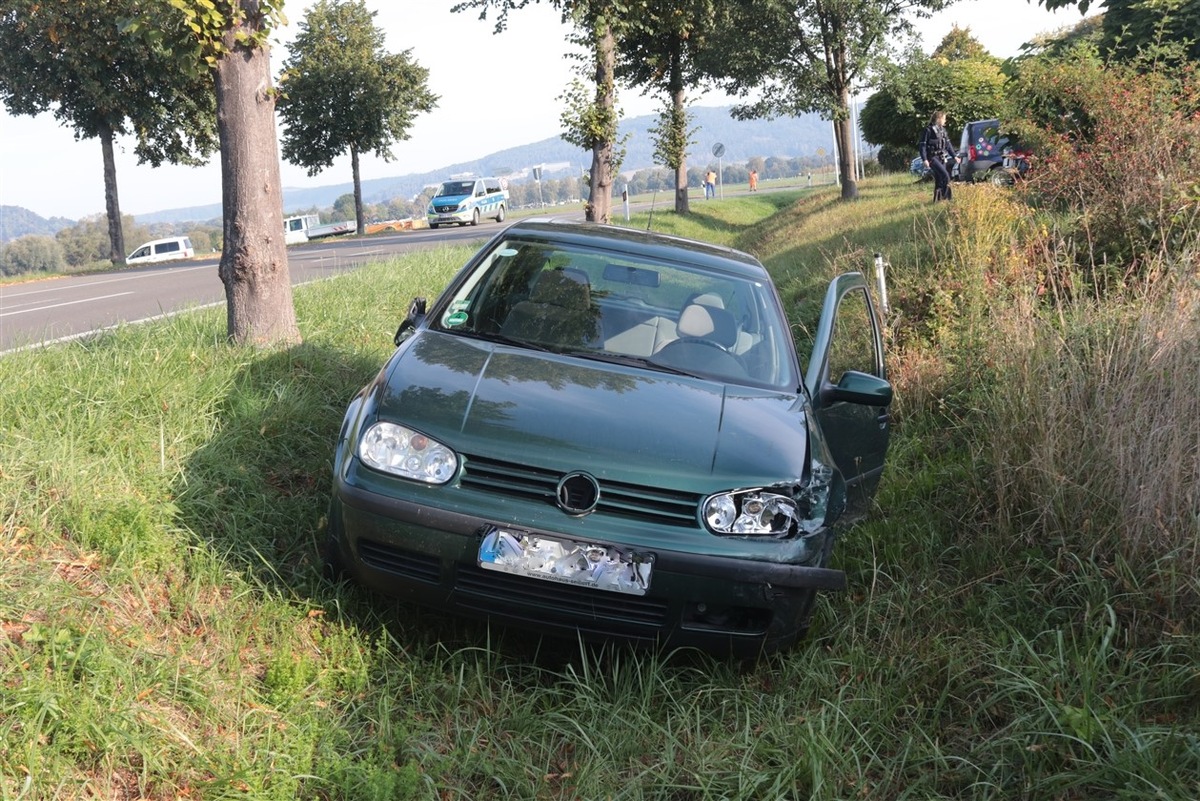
(982, 151)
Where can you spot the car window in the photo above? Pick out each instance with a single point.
(167, 247)
(853, 346)
(607, 304)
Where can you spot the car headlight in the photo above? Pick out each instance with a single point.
(751, 512)
(765, 512)
(403, 452)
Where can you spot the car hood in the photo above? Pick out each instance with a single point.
(564, 413)
(442, 200)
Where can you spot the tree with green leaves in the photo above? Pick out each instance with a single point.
(802, 56)
(960, 77)
(79, 60)
(343, 92)
(662, 50)
(231, 42)
(591, 119)
(1165, 33)
(590, 116)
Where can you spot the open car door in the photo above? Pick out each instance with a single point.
(847, 381)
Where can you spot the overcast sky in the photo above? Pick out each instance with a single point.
(496, 91)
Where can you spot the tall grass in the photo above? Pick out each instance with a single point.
(165, 631)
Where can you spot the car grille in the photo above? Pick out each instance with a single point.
(649, 504)
(488, 591)
(445, 209)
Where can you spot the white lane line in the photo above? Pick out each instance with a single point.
(66, 303)
(83, 283)
(113, 327)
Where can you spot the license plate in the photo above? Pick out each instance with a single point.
(580, 564)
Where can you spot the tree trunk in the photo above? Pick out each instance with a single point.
(112, 206)
(359, 222)
(599, 206)
(843, 134)
(682, 204)
(254, 267)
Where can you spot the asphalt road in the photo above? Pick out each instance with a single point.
(51, 310)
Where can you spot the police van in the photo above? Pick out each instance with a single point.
(468, 200)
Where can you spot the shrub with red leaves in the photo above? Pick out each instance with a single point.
(1118, 152)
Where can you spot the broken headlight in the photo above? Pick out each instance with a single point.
(766, 512)
(403, 452)
(751, 512)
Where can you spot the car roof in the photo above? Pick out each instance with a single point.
(164, 239)
(634, 242)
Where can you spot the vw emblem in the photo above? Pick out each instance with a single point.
(577, 493)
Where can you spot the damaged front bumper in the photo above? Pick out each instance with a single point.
(433, 557)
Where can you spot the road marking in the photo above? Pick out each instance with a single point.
(65, 303)
(113, 327)
(85, 283)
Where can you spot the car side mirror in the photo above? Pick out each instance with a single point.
(861, 388)
(416, 314)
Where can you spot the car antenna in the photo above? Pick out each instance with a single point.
(653, 199)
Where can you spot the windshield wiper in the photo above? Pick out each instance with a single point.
(631, 361)
(500, 338)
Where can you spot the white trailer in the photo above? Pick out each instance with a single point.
(306, 227)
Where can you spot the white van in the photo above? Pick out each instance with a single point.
(175, 247)
(465, 202)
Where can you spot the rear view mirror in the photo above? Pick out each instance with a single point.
(416, 313)
(861, 388)
(638, 276)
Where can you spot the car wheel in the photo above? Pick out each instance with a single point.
(433, 226)
(500, 216)
(333, 566)
(475, 217)
(1000, 177)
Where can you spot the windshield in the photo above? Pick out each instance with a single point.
(669, 316)
(451, 188)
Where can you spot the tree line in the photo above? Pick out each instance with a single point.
(190, 78)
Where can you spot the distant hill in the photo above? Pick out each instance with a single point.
(16, 221)
(786, 138)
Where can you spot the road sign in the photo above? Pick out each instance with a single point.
(718, 150)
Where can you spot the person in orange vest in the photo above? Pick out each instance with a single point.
(710, 184)
(754, 180)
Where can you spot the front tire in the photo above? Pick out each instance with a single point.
(500, 215)
(999, 176)
(333, 563)
(433, 226)
(475, 217)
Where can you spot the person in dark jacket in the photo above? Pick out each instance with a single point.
(937, 153)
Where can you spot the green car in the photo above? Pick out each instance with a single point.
(603, 432)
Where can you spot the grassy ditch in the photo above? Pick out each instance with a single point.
(1020, 624)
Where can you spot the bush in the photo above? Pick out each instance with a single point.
(896, 159)
(1117, 156)
(1078, 409)
(31, 254)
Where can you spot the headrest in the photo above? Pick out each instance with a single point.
(567, 288)
(708, 322)
(711, 299)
